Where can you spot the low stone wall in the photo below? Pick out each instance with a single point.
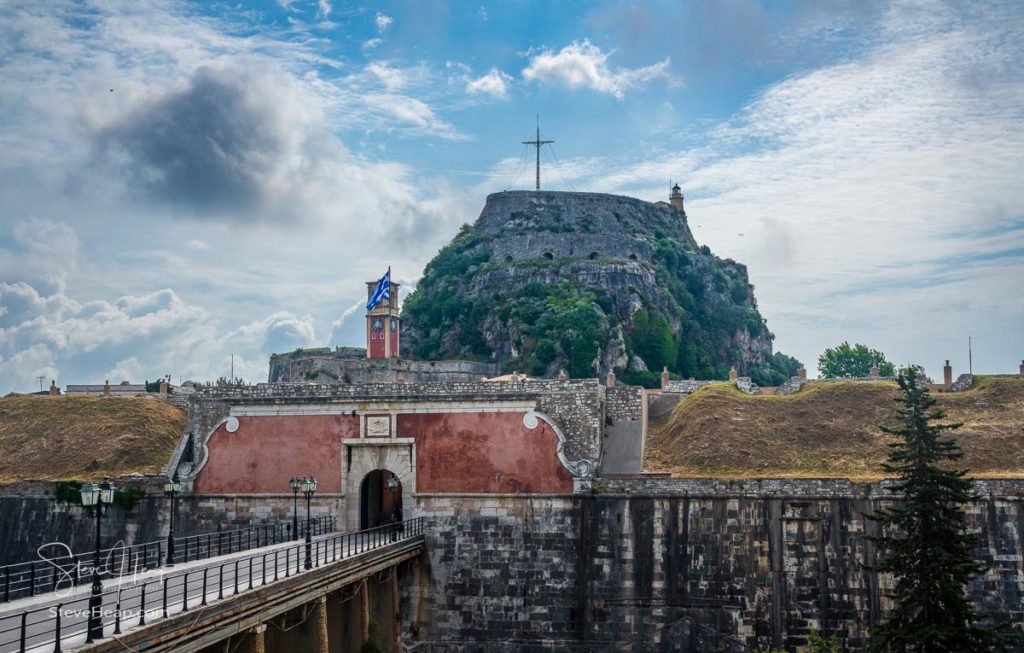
(795, 383)
(686, 387)
(624, 402)
(346, 369)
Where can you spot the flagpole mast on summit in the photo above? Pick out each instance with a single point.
(387, 327)
(537, 143)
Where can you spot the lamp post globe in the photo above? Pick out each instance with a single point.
(171, 488)
(309, 489)
(96, 497)
(295, 483)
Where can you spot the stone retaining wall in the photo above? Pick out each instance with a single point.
(728, 567)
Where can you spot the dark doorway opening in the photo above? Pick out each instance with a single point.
(380, 499)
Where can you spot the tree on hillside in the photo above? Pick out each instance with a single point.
(845, 361)
(925, 543)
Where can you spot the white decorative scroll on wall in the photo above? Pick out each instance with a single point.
(582, 468)
(378, 426)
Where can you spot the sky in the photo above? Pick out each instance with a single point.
(183, 184)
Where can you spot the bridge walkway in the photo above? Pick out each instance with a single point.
(139, 602)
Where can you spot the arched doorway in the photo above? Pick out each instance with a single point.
(378, 500)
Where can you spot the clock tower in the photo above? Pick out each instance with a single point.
(382, 332)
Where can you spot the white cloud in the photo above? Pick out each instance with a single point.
(323, 8)
(372, 43)
(494, 83)
(130, 369)
(875, 197)
(392, 78)
(383, 22)
(581, 64)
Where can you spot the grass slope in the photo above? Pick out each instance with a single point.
(60, 438)
(828, 430)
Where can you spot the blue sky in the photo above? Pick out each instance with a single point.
(186, 181)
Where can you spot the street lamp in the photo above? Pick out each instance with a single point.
(396, 511)
(295, 484)
(96, 497)
(171, 488)
(309, 489)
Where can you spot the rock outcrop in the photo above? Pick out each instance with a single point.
(590, 283)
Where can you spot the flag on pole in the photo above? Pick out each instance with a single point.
(381, 292)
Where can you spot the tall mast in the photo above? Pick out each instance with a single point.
(537, 143)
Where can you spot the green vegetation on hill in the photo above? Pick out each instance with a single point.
(58, 438)
(684, 309)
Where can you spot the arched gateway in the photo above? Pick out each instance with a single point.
(380, 499)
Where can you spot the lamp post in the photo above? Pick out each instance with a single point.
(96, 497)
(171, 488)
(395, 511)
(295, 484)
(309, 489)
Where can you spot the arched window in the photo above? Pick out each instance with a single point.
(632, 257)
(508, 259)
(548, 256)
(593, 256)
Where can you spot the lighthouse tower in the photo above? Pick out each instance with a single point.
(382, 325)
(676, 198)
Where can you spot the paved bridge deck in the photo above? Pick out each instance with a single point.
(194, 605)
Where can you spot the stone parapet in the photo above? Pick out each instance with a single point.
(773, 487)
(686, 387)
(795, 383)
(624, 402)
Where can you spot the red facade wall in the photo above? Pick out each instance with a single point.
(484, 453)
(265, 452)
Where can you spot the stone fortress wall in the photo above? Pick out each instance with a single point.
(349, 365)
(552, 246)
(596, 213)
(696, 566)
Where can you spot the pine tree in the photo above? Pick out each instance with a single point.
(926, 546)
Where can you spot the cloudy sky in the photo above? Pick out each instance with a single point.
(181, 182)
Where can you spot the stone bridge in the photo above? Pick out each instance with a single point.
(333, 594)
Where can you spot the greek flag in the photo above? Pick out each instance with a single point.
(381, 292)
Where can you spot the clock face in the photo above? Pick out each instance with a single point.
(394, 324)
(378, 324)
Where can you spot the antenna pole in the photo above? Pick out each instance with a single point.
(537, 143)
(970, 357)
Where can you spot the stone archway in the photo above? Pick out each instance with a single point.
(362, 458)
(379, 504)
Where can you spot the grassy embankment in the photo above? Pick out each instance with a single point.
(61, 438)
(828, 430)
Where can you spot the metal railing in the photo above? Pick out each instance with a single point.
(44, 575)
(140, 601)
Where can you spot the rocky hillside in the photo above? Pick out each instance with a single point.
(589, 283)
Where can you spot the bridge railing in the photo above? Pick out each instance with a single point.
(140, 601)
(44, 575)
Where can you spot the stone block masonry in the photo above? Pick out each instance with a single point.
(624, 402)
(699, 566)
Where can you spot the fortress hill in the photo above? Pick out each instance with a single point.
(564, 508)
